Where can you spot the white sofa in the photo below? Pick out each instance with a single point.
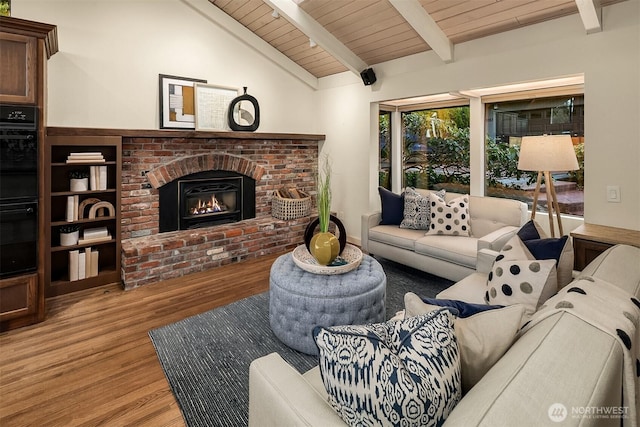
(493, 222)
(562, 360)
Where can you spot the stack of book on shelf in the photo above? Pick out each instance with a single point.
(72, 208)
(98, 177)
(85, 158)
(92, 235)
(83, 264)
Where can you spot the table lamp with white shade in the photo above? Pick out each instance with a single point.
(545, 154)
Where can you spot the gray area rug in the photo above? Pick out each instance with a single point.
(206, 357)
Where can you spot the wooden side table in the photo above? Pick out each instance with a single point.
(590, 240)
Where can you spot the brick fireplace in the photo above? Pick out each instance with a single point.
(152, 162)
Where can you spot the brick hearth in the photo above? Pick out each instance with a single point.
(273, 160)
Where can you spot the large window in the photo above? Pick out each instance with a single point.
(438, 141)
(384, 147)
(435, 149)
(507, 122)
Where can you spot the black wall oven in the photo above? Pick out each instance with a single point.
(18, 189)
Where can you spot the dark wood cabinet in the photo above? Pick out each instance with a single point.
(19, 67)
(21, 303)
(590, 240)
(25, 47)
(58, 197)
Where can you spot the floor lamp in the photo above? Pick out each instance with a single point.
(545, 154)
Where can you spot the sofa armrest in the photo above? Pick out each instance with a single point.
(496, 239)
(368, 220)
(280, 396)
(486, 257)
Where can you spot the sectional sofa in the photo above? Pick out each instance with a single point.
(567, 367)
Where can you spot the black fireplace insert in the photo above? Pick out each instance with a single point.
(206, 199)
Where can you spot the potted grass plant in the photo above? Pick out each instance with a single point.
(324, 245)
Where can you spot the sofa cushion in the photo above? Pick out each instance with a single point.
(521, 282)
(395, 236)
(416, 209)
(543, 247)
(392, 207)
(452, 218)
(607, 266)
(540, 370)
(489, 214)
(472, 289)
(483, 337)
(458, 250)
(379, 374)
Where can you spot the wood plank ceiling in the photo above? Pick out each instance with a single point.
(376, 31)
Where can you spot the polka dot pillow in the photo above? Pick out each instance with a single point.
(450, 219)
(516, 249)
(520, 282)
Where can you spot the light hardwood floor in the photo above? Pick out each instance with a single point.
(91, 361)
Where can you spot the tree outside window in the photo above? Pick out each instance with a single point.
(436, 149)
(384, 150)
(435, 143)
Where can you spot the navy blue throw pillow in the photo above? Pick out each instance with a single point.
(528, 232)
(550, 248)
(392, 207)
(465, 309)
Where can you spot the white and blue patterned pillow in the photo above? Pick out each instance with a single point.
(417, 212)
(395, 373)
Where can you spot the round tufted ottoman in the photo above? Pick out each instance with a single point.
(299, 300)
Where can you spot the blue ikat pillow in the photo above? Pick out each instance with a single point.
(394, 373)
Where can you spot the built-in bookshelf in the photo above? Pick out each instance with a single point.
(86, 211)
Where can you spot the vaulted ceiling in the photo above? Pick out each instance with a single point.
(325, 37)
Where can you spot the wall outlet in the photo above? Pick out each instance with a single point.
(613, 193)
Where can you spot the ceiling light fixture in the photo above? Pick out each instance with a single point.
(312, 43)
(275, 14)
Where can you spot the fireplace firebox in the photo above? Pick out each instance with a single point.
(206, 199)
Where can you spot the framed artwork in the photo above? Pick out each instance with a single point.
(212, 106)
(177, 102)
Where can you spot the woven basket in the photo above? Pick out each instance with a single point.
(286, 209)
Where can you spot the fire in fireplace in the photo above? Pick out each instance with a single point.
(203, 201)
(206, 199)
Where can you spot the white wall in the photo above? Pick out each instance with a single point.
(111, 52)
(106, 72)
(610, 61)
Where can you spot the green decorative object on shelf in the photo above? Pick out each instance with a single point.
(324, 246)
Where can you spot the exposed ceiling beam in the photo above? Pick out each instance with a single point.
(426, 27)
(311, 28)
(233, 27)
(591, 14)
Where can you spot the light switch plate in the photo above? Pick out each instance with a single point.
(613, 193)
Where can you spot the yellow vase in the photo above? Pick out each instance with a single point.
(324, 247)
